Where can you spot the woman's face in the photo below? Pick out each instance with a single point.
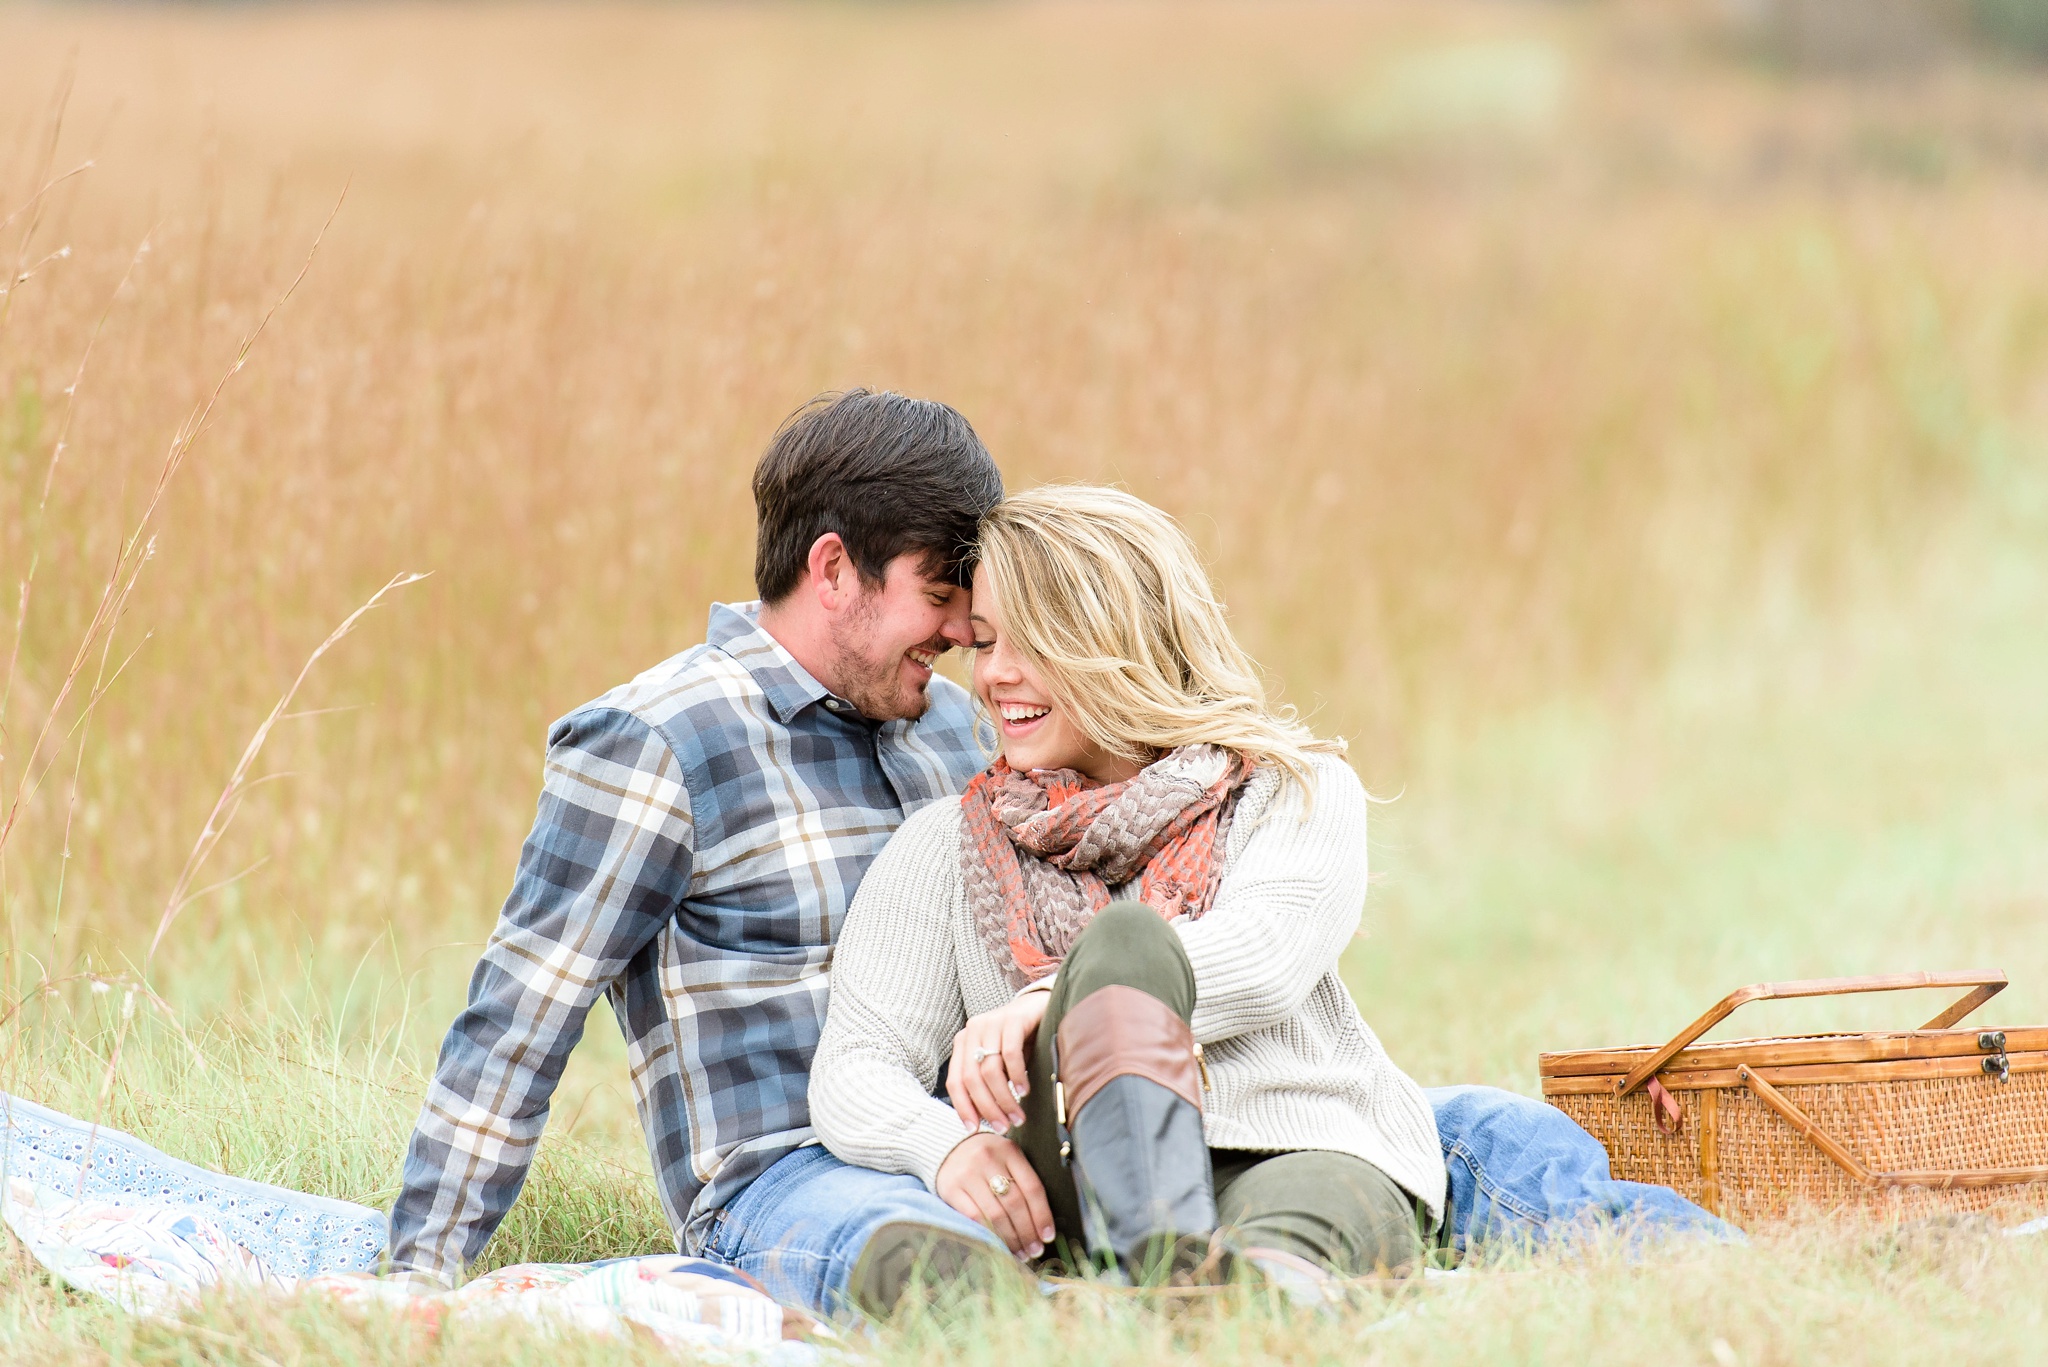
(1030, 727)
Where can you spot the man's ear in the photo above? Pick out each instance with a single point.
(831, 575)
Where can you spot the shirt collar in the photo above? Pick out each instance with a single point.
(735, 628)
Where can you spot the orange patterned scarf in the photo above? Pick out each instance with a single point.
(1040, 851)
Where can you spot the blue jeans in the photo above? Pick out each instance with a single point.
(1524, 1172)
(800, 1226)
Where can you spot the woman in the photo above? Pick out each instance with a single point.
(1120, 945)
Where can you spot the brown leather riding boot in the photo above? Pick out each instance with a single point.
(1129, 1093)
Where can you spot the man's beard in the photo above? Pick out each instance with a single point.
(874, 685)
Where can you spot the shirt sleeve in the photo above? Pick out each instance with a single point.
(605, 867)
(1288, 905)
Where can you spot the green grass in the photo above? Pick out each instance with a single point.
(292, 1100)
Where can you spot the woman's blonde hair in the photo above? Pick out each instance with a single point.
(1106, 597)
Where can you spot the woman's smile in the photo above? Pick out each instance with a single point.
(1019, 719)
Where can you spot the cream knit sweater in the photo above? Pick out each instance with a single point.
(1291, 1063)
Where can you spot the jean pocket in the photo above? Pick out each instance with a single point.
(716, 1237)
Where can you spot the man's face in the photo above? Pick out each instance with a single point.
(884, 643)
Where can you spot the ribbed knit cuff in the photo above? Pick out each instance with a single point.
(931, 1138)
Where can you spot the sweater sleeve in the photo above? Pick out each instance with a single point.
(1288, 905)
(895, 1008)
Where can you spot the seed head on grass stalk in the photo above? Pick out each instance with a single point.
(239, 782)
(22, 271)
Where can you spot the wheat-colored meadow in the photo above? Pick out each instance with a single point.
(1640, 452)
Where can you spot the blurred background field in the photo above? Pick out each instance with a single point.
(1627, 422)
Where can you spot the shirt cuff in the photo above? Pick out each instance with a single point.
(1037, 985)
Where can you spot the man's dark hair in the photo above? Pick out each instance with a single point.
(889, 474)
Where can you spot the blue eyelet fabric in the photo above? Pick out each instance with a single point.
(295, 1235)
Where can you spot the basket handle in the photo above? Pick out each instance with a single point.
(1987, 983)
(1835, 1149)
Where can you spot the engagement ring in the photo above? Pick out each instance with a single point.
(980, 1054)
(999, 1184)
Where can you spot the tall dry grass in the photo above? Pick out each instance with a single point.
(1491, 352)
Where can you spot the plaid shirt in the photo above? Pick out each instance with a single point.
(700, 835)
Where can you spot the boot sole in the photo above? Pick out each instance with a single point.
(905, 1253)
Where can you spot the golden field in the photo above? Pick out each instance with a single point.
(1640, 451)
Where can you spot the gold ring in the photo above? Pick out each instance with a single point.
(1000, 1184)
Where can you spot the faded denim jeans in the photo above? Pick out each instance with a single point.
(800, 1225)
(1523, 1172)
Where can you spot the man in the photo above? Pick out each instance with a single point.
(700, 835)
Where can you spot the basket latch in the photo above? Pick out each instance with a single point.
(1997, 1065)
(1670, 1116)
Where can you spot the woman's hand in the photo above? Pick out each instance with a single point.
(987, 1178)
(987, 1076)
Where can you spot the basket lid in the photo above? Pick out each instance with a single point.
(1782, 1051)
(1983, 985)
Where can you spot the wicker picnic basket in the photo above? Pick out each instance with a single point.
(1905, 1124)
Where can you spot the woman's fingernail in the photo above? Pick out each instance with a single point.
(1018, 1090)
(1046, 1234)
(1016, 1119)
(1034, 1249)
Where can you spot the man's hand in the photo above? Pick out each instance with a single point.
(987, 1076)
(968, 1182)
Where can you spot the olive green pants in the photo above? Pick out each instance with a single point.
(1333, 1209)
